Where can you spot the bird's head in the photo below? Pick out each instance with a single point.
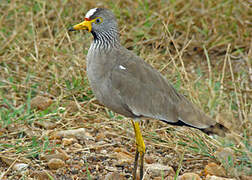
(97, 20)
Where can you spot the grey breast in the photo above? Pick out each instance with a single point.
(100, 64)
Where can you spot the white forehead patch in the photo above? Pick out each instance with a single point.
(90, 12)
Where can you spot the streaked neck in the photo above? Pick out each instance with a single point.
(106, 39)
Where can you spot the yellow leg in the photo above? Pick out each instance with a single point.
(140, 149)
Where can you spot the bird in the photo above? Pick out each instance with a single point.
(126, 84)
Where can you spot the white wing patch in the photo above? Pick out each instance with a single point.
(122, 67)
(90, 12)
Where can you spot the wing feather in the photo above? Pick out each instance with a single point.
(147, 93)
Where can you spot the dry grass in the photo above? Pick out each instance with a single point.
(203, 47)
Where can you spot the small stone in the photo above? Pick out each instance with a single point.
(55, 163)
(79, 134)
(48, 157)
(42, 175)
(214, 169)
(41, 102)
(114, 176)
(20, 166)
(209, 177)
(68, 141)
(157, 170)
(104, 151)
(189, 176)
(244, 177)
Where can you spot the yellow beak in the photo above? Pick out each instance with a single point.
(86, 25)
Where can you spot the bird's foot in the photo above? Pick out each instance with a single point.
(139, 150)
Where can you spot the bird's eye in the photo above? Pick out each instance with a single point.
(98, 20)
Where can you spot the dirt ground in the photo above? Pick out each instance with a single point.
(52, 127)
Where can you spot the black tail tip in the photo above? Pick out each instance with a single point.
(218, 129)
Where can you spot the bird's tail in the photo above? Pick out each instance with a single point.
(218, 129)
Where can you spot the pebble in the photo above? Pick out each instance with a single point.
(214, 169)
(104, 151)
(208, 177)
(68, 141)
(114, 176)
(41, 102)
(56, 163)
(157, 170)
(20, 166)
(189, 176)
(42, 175)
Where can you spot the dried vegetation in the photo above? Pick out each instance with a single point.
(51, 125)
